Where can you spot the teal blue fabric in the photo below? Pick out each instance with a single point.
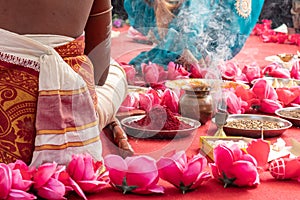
(205, 27)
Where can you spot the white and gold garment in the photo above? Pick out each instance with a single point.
(50, 108)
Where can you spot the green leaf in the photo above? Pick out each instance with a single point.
(227, 181)
(126, 188)
(184, 188)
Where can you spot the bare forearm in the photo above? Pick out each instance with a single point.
(97, 31)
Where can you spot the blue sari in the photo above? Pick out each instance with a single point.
(215, 28)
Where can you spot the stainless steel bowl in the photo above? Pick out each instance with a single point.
(256, 133)
(294, 120)
(142, 132)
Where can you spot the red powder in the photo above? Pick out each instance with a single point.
(160, 118)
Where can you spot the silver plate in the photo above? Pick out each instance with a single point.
(295, 121)
(213, 83)
(159, 134)
(138, 89)
(256, 133)
(279, 82)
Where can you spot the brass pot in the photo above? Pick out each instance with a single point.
(196, 103)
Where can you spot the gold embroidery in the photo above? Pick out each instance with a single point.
(243, 7)
(18, 91)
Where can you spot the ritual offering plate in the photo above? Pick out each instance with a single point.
(280, 82)
(291, 114)
(138, 89)
(254, 126)
(208, 143)
(285, 59)
(132, 128)
(200, 83)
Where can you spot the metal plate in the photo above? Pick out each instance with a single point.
(159, 134)
(280, 82)
(138, 89)
(256, 133)
(295, 121)
(213, 83)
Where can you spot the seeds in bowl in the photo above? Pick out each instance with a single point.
(290, 113)
(253, 124)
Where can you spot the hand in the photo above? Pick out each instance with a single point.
(121, 140)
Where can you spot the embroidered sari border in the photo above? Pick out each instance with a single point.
(69, 129)
(9, 58)
(63, 92)
(67, 145)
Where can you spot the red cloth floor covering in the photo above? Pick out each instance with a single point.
(123, 49)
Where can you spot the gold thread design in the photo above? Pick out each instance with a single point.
(68, 144)
(243, 7)
(68, 129)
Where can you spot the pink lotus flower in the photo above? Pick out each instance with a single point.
(235, 105)
(269, 36)
(177, 72)
(294, 39)
(145, 102)
(275, 70)
(155, 95)
(13, 182)
(130, 102)
(296, 101)
(22, 175)
(130, 72)
(46, 182)
(184, 173)
(150, 72)
(197, 72)
(252, 72)
(234, 167)
(88, 174)
(6, 180)
(149, 99)
(264, 90)
(10, 188)
(230, 70)
(287, 95)
(249, 97)
(269, 106)
(158, 86)
(267, 96)
(260, 28)
(295, 71)
(20, 194)
(170, 99)
(136, 174)
(153, 73)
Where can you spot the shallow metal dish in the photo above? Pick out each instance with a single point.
(280, 82)
(295, 121)
(159, 134)
(213, 83)
(138, 89)
(256, 133)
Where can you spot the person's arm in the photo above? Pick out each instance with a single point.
(98, 44)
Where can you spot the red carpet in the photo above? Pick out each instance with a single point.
(123, 49)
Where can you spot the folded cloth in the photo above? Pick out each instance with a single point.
(68, 116)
